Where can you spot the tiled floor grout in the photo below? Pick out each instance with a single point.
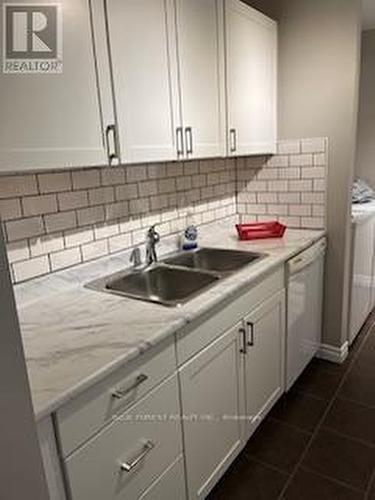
(292, 426)
(359, 403)
(333, 479)
(267, 465)
(327, 427)
(368, 331)
(346, 436)
(312, 396)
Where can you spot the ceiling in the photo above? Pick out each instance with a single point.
(368, 14)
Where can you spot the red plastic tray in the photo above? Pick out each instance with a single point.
(260, 230)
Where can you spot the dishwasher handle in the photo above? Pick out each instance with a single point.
(306, 258)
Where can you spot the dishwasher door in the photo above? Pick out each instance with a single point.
(304, 313)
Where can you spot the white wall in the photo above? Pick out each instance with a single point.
(365, 165)
(319, 53)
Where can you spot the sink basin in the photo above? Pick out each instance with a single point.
(176, 279)
(161, 284)
(214, 259)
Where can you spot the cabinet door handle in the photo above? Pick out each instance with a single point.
(112, 150)
(250, 326)
(180, 141)
(243, 349)
(121, 393)
(146, 448)
(233, 140)
(189, 140)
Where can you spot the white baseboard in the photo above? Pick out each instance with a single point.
(333, 354)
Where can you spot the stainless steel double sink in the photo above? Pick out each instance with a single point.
(178, 278)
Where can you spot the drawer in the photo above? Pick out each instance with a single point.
(85, 415)
(199, 334)
(170, 486)
(132, 453)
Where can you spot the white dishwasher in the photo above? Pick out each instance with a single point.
(304, 313)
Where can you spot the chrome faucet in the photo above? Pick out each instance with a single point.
(153, 238)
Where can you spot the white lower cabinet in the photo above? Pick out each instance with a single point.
(131, 454)
(228, 388)
(211, 401)
(91, 411)
(171, 484)
(265, 359)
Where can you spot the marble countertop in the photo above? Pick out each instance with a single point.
(73, 336)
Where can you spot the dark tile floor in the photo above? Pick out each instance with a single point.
(318, 442)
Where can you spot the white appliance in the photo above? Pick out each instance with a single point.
(304, 313)
(362, 298)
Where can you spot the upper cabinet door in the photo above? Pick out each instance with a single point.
(50, 120)
(251, 51)
(201, 69)
(144, 78)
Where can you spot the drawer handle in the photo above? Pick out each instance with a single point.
(250, 326)
(243, 349)
(128, 466)
(121, 393)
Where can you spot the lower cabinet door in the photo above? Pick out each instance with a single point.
(264, 360)
(132, 453)
(170, 486)
(211, 394)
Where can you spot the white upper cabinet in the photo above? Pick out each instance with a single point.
(51, 120)
(141, 36)
(167, 66)
(201, 70)
(251, 62)
(141, 81)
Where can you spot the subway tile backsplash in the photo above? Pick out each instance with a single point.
(289, 187)
(55, 220)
